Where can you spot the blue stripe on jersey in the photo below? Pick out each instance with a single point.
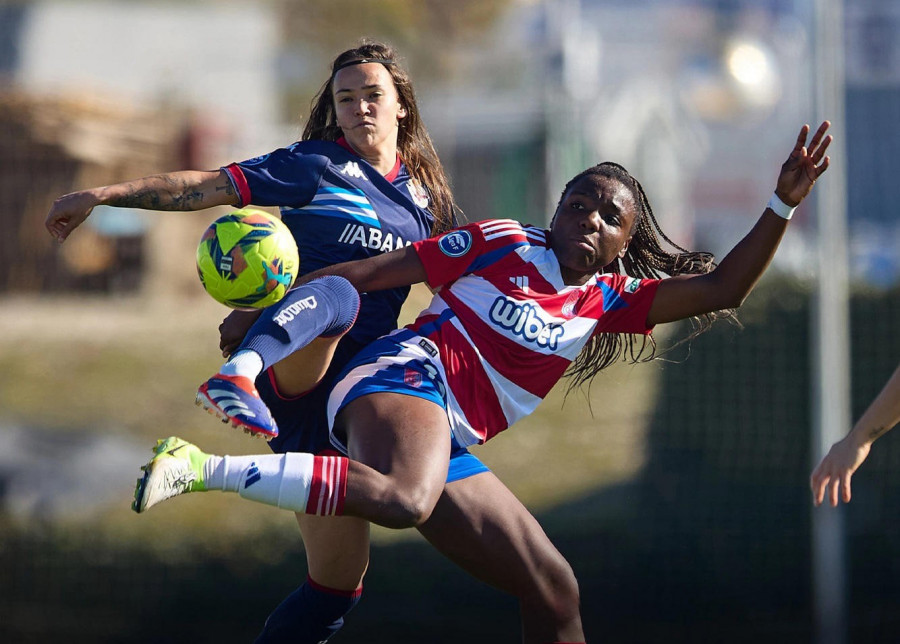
(356, 197)
(402, 335)
(342, 203)
(345, 204)
(340, 212)
(487, 259)
(611, 300)
(335, 213)
(431, 327)
(335, 190)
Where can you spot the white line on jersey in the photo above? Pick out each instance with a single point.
(501, 228)
(521, 281)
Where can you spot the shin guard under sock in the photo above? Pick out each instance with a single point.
(326, 306)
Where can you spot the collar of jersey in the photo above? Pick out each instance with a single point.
(390, 176)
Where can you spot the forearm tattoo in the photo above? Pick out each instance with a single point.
(164, 193)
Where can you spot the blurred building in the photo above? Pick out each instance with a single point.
(873, 109)
(700, 99)
(97, 93)
(49, 147)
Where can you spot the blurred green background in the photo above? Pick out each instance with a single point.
(677, 489)
(681, 502)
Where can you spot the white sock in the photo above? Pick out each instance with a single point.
(245, 363)
(225, 472)
(282, 480)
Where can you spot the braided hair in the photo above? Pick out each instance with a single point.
(644, 258)
(413, 141)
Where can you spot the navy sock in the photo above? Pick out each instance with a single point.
(309, 615)
(326, 306)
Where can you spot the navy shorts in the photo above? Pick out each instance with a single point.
(302, 421)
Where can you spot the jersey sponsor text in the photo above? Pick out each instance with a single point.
(522, 320)
(373, 238)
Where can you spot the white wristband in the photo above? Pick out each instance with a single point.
(780, 208)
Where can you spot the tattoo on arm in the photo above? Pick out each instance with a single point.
(171, 193)
(875, 432)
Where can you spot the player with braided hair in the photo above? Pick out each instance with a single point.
(516, 307)
(647, 258)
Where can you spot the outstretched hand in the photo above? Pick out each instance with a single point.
(803, 166)
(830, 481)
(68, 212)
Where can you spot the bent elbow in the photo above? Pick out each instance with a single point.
(737, 301)
(731, 300)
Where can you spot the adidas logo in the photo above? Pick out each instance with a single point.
(521, 281)
(253, 475)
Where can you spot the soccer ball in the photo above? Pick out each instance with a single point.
(247, 259)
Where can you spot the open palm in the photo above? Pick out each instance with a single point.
(804, 165)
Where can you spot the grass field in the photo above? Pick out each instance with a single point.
(128, 368)
(682, 502)
(86, 387)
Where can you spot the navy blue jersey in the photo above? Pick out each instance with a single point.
(339, 209)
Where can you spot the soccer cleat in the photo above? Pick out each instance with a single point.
(234, 399)
(176, 468)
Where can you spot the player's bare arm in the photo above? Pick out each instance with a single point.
(401, 267)
(188, 190)
(174, 191)
(729, 284)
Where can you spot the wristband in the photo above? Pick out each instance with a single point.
(780, 208)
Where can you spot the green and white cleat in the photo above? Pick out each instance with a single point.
(176, 468)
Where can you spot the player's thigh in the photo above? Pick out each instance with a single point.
(405, 438)
(480, 525)
(337, 549)
(305, 368)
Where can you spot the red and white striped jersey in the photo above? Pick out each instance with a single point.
(506, 326)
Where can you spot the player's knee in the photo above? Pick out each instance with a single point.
(566, 595)
(413, 505)
(556, 591)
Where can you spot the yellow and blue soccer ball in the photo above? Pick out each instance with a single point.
(247, 259)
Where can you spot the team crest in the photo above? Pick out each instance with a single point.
(412, 378)
(570, 307)
(418, 193)
(456, 243)
(632, 285)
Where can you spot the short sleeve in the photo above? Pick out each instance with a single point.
(624, 303)
(285, 177)
(449, 256)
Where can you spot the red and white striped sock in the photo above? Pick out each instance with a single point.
(295, 481)
(328, 487)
